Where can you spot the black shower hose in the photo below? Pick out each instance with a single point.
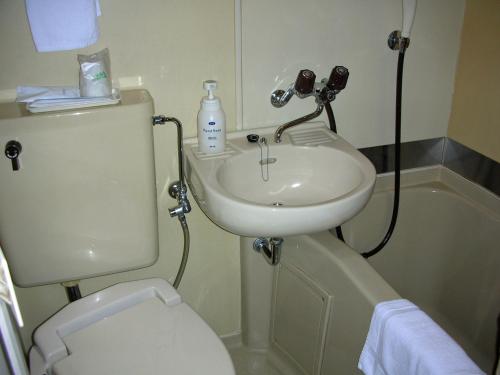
(397, 159)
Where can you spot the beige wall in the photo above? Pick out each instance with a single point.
(475, 117)
(172, 46)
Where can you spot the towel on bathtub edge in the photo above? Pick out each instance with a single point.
(402, 339)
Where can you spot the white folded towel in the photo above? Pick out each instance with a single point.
(57, 98)
(404, 340)
(29, 94)
(58, 25)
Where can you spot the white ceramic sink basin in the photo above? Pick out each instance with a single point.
(316, 181)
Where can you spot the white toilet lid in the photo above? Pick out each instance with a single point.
(148, 338)
(137, 327)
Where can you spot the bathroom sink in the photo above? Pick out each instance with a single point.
(312, 181)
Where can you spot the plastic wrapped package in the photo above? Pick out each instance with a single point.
(95, 74)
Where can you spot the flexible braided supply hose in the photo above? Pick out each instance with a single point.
(185, 252)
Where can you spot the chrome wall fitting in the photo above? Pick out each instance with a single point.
(396, 42)
(178, 191)
(270, 249)
(281, 97)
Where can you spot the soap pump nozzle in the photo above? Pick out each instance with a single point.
(210, 86)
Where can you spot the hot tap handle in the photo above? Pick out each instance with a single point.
(304, 84)
(338, 78)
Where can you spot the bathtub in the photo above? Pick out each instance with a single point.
(444, 255)
(311, 313)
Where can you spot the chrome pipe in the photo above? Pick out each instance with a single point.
(269, 248)
(177, 189)
(180, 148)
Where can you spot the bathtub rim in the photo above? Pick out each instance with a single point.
(451, 181)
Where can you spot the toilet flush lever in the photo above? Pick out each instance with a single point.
(12, 151)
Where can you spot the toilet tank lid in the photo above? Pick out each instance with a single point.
(49, 337)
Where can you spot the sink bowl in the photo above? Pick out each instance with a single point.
(312, 181)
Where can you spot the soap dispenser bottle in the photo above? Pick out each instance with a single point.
(211, 122)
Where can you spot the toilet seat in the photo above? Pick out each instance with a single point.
(139, 327)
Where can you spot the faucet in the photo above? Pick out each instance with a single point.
(304, 86)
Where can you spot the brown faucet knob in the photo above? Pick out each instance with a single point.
(338, 78)
(304, 84)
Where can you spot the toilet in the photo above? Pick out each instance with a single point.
(81, 204)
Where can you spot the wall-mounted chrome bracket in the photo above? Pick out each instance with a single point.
(396, 42)
(270, 249)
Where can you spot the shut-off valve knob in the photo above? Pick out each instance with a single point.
(12, 151)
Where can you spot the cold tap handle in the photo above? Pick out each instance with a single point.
(338, 78)
(304, 84)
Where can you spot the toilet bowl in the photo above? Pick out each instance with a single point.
(138, 327)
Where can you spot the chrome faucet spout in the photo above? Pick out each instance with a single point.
(279, 132)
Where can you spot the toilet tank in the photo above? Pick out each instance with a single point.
(83, 201)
